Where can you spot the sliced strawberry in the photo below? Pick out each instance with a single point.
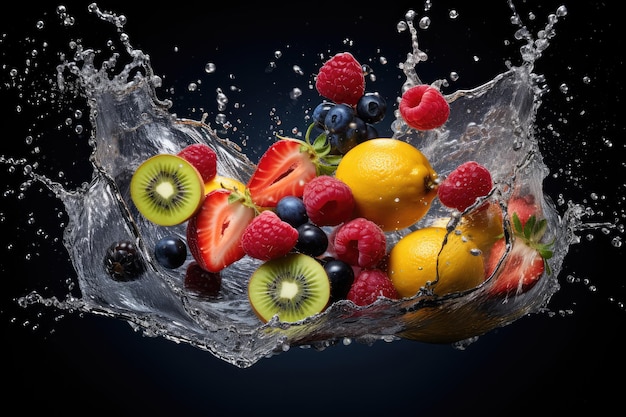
(527, 260)
(522, 268)
(214, 233)
(286, 167)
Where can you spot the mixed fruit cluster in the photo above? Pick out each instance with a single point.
(316, 212)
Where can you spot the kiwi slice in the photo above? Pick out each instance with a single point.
(293, 287)
(166, 189)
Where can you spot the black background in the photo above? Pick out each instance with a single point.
(568, 360)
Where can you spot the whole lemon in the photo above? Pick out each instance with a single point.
(392, 182)
(449, 262)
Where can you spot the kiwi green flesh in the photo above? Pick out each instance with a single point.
(166, 189)
(293, 287)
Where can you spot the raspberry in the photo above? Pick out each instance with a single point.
(360, 242)
(268, 237)
(341, 79)
(423, 107)
(203, 158)
(328, 201)
(464, 185)
(370, 284)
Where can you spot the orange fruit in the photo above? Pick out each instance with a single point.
(425, 258)
(392, 182)
(221, 181)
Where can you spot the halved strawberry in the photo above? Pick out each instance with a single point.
(527, 260)
(214, 233)
(286, 166)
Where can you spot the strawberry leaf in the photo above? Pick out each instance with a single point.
(531, 233)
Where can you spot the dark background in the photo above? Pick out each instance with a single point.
(568, 359)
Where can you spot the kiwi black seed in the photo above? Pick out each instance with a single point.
(293, 287)
(166, 189)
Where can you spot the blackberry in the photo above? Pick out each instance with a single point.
(122, 261)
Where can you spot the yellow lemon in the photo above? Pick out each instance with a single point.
(422, 257)
(392, 182)
(482, 226)
(221, 181)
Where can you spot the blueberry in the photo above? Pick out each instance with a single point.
(341, 276)
(357, 130)
(170, 252)
(291, 209)
(338, 118)
(312, 240)
(371, 133)
(371, 107)
(340, 143)
(320, 112)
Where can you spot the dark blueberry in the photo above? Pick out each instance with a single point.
(122, 261)
(312, 240)
(338, 118)
(341, 276)
(372, 132)
(170, 252)
(357, 131)
(371, 107)
(340, 143)
(320, 112)
(292, 210)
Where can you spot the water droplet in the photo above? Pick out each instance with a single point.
(210, 68)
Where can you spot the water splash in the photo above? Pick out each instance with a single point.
(492, 123)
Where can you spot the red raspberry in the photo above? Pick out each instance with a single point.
(268, 237)
(423, 107)
(341, 79)
(203, 158)
(328, 201)
(370, 284)
(360, 242)
(464, 185)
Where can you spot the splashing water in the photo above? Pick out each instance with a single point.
(492, 124)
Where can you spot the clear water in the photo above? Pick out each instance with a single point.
(113, 93)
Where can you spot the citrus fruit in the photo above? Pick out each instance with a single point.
(220, 181)
(482, 226)
(392, 182)
(422, 257)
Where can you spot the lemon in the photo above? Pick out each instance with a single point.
(221, 181)
(482, 226)
(421, 257)
(392, 182)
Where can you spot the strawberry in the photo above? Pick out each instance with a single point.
(328, 201)
(370, 284)
(203, 158)
(287, 166)
(464, 185)
(527, 260)
(424, 107)
(214, 233)
(202, 282)
(268, 237)
(341, 79)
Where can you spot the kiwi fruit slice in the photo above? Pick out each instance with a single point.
(166, 189)
(293, 287)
